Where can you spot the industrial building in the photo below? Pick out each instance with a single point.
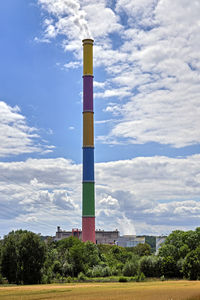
(103, 237)
(159, 241)
(130, 240)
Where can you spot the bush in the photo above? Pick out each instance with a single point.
(142, 277)
(115, 272)
(151, 266)
(123, 279)
(89, 273)
(106, 272)
(191, 264)
(82, 277)
(69, 279)
(1, 279)
(22, 257)
(131, 268)
(169, 267)
(162, 278)
(46, 279)
(97, 271)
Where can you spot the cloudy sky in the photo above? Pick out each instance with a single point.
(147, 112)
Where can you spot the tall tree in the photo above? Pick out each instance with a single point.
(22, 257)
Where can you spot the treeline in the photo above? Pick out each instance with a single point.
(26, 259)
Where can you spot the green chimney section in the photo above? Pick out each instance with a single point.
(88, 199)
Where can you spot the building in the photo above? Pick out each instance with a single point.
(159, 241)
(102, 237)
(130, 240)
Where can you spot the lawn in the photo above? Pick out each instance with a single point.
(167, 290)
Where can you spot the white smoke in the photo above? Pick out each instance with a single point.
(66, 17)
(126, 226)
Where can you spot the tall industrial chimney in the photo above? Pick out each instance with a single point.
(88, 190)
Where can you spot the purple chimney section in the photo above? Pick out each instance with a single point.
(88, 93)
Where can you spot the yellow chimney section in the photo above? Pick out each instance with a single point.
(88, 57)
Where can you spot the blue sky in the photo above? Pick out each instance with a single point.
(147, 111)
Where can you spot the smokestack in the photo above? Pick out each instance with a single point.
(88, 190)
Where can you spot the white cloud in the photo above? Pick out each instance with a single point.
(17, 137)
(150, 51)
(72, 65)
(151, 194)
(99, 85)
(109, 202)
(69, 18)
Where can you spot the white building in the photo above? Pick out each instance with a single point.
(130, 240)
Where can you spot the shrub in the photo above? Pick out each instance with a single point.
(133, 278)
(142, 277)
(1, 279)
(191, 264)
(106, 272)
(22, 257)
(169, 267)
(130, 268)
(162, 278)
(114, 271)
(69, 279)
(97, 271)
(151, 266)
(46, 279)
(123, 279)
(89, 273)
(81, 277)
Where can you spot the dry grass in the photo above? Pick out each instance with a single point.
(168, 290)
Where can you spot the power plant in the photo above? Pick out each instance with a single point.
(88, 185)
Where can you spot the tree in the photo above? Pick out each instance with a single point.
(23, 256)
(78, 257)
(131, 268)
(151, 266)
(92, 254)
(191, 265)
(169, 267)
(10, 257)
(142, 249)
(168, 250)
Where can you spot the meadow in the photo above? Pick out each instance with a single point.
(167, 290)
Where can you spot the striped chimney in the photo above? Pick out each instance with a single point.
(88, 190)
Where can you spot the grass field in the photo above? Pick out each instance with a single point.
(167, 290)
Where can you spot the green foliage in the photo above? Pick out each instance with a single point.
(69, 279)
(1, 279)
(91, 254)
(169, 250)
(123, 279)
(22, 257)
(115, 271)
(142, 250)
(77, 256)
(142, 277)
(131, 268)
(82, 277)
(151, 266)
(169, 267)
(191, 265)
(99, 271)
(26, 259)
(151, 241)
(180, 254)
